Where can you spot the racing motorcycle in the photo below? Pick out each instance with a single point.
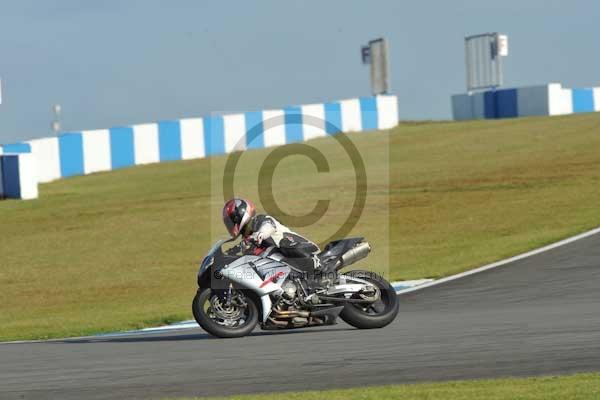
(238, 291)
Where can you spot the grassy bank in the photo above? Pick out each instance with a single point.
(119, 250)
(574, 387)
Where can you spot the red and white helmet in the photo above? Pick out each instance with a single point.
(236, 214)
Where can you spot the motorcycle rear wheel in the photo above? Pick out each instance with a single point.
(206, 318)
(378, 314)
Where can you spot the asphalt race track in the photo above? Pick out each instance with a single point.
(539, 315)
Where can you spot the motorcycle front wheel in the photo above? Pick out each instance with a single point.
(372, 315)
(225, 315)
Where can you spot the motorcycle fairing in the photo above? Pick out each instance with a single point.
(245, 272)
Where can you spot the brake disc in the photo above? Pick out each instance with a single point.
(229, 314)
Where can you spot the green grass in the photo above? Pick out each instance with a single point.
(573, 387)
(119, 250)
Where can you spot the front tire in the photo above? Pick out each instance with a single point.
(377, 315)
(236, 320)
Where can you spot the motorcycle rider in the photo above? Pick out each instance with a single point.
(263, 231)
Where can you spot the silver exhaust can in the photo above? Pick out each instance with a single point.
(353, 255)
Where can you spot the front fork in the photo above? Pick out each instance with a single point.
(265, 300)
(229, 295)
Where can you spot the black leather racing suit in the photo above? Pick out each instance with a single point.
(266, 231)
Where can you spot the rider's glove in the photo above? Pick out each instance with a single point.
(258, 237)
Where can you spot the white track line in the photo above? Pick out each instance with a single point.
(504, 262)
(399, 286)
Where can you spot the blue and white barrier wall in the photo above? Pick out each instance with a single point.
(550, 99)
(18, 178)
(86, 152)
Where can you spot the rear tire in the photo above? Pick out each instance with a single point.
(369, 318)
(210, 325)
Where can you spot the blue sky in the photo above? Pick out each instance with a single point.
(130, 61)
